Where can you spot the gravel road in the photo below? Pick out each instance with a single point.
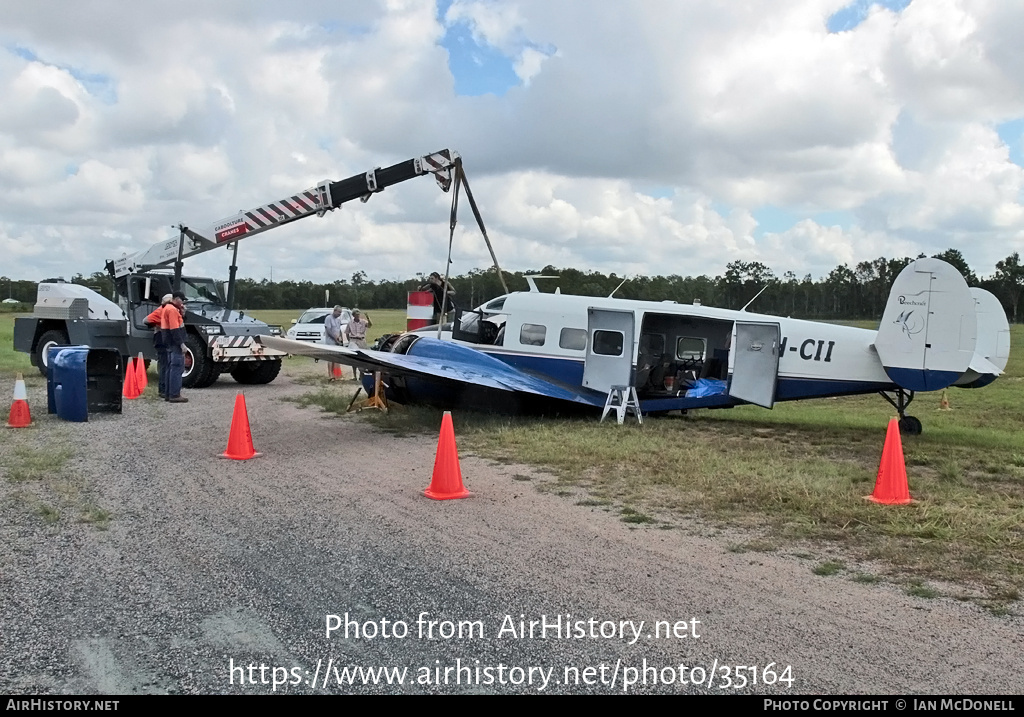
(218, 576)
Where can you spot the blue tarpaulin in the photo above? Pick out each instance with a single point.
(707, 387)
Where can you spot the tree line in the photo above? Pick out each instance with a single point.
(857, 292)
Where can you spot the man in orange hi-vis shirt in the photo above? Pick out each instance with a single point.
(156, 320)
(173, 325)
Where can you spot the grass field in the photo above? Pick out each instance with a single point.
(790, 479)
(794, 479)
(385, 321)
(10, 360)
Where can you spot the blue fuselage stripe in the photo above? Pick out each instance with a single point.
(570, 371)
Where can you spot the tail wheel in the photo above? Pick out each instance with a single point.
(55, 337)
(910, 426)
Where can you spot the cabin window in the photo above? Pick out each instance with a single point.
(573, 339)
(690, 348)
(608, 343)
(532, 335)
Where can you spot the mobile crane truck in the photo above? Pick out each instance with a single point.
(219, 338)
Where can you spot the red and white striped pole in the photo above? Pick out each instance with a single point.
(419, 311)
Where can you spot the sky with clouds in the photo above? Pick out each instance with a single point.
(653, 136)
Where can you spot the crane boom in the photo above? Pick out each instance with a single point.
(324, 197)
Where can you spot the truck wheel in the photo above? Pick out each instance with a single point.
(256, 372)
(56, 337)
(199, 371)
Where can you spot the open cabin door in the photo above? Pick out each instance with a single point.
(756, 363)
(609, 359)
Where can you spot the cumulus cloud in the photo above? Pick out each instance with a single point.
(643, 137)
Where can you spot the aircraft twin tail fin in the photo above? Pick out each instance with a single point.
(936, 332)
(992, 350)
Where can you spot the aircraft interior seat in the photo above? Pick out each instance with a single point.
(664, 368)
(717, 366)
(489, 332)
(647, 361)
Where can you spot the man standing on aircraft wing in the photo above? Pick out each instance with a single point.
(436, 285)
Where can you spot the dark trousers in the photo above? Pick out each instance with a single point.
(163, 358)
(174, 369)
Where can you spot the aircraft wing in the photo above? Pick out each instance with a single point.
(440, 361)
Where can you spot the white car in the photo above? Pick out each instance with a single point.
(310, 325)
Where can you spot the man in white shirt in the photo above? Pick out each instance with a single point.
(355, 333)
(333, 336)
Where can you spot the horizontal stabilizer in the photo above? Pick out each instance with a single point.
(984, 366)
(929, 328)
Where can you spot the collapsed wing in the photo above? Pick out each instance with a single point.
(442, 362)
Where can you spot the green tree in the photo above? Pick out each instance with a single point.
(954, 257)
(1010, 279)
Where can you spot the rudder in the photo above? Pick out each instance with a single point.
(929, 328)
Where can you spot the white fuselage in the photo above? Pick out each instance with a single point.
(554, 335)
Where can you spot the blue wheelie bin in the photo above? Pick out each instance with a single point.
(80, 379)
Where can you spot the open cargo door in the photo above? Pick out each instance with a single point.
(756, 363)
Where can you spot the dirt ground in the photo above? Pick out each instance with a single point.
(220, 576)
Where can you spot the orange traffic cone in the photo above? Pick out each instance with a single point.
(944, 402)
(240, 446)
(447, 480)
(337, 370)
(140, 373)
(20, 416)
(891, 485)
(131, 381)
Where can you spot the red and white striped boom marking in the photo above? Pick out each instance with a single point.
(267, 216)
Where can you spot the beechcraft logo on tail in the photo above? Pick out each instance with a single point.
(909, 323)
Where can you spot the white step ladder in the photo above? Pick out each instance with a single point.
(622, 399)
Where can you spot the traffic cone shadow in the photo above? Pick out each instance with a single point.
(240, 446)
(446, 482)
(20, 416)
(131, 381)
(891, 484)
(140, 373)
